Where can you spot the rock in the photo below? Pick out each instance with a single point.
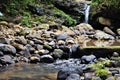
(21, 40)
(36, 41)
(102, 35)
(109, 31)
(57, 53)
(61, 42)
(4, 40)
(46, 59)
(88, 59)
(114, 72)
(84, 26)
(3, 23)
(62, 36)
(31, 49)
(42, 52)
(18, 46)
(34, 59)
(23, 59)
(115, 54)
(8, 49)
(39, 47)
(6, 59)
(118, 31)
(73, 77)
(104, 21)
(97, 78)
(88, 76)
(110, 78)
(52, 43)
(1, 53)
(74, 51)
(66, 72)
(25, 52)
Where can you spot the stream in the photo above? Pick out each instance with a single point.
(43, 71)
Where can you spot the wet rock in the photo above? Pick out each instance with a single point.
(39, 47)
(62, 36)
(114, 72)
(42, 52)
(57, 53)
(1, 53)
(34, 59)
(8, 49)
(52, 43)
(88, 76)
(118, 31)
(115, 54)
(31, 49)
(61, 42)
(36, 41)
(21, 40)
(25, 52)
(46, 59)
(6, 59)
(23, 59)
(88, 59)
(18, 46)
(110, 78)
(97, 78)
(73, 77)
(4, 40)
(66, 72)
(74, 51)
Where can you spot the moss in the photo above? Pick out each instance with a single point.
(68, 20)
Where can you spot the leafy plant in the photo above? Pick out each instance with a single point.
(102, 73)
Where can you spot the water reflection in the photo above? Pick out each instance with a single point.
(24, 71)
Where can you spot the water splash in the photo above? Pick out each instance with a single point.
(87, 13)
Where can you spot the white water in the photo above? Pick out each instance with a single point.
(87, 14)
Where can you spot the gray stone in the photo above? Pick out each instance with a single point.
(88, 59)
(6, 59)
(8, 49)
(73, 77)
(62, 36)
(4, 40)
(57, 53)
(46, 59)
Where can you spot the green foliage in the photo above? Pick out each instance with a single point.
(26, 19)
(102, 73)
(68, 20)
(109, 3)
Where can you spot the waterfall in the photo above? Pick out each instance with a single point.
(87, 14)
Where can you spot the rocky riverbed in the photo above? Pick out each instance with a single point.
(57, 45)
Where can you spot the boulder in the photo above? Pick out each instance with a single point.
(73, 77)
(66, 72)
(34, 59)
(6, 59)
(46, 59)
(109, 31)
(62, 36)
(88, 59)
(4, 40)
(57, 53)
(8, 49)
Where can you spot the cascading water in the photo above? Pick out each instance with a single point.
(87, 13)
